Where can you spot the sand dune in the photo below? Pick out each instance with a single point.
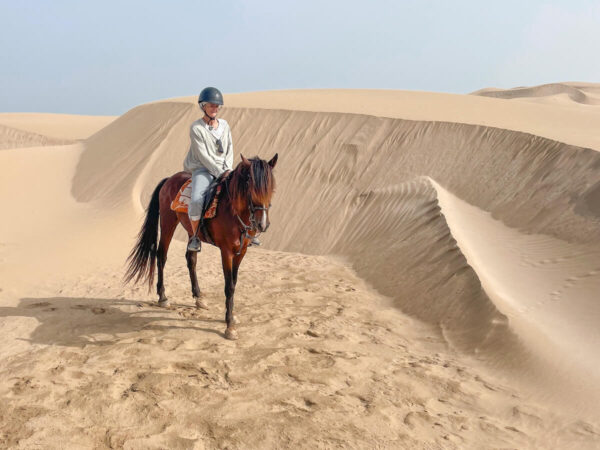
(37, 129)
(569, 124)
(426, 283)
(513, 173)
(555, 93)
(546, 287)
(60, 126)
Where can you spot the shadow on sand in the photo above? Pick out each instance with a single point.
(77, 322)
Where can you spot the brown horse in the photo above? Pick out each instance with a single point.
(243, 211)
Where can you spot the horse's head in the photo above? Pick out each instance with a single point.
(252, 187)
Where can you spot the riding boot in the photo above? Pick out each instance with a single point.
(195, 244)
(254, 241)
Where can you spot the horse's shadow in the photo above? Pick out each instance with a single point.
(77, 322)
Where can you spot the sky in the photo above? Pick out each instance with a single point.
(107, 57)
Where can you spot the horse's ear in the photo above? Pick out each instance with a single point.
(273, 161)
(245, 162)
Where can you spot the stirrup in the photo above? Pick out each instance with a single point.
(194, 244)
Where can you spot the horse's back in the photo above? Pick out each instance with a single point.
(172, 186)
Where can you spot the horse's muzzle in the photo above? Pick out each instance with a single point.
(262, 228)
(264, 223)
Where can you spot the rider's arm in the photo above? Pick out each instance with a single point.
(229, 153)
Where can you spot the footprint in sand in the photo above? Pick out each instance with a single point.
(22, 385)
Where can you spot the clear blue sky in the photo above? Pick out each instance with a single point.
(108, 56)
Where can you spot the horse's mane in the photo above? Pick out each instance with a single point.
(256, 178)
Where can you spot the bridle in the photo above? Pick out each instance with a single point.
(245, 229)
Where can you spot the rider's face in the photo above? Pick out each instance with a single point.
(211, 110)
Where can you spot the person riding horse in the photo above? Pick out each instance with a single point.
(210, 156)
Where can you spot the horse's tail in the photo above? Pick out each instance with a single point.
(143, 255)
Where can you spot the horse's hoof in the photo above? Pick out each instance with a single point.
(231, 334)
(236, 321)
(163, 303)
(201, 304)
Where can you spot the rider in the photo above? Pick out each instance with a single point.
(210, 156)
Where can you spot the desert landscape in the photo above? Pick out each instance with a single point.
(430, 279)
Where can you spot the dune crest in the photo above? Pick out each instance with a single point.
(572, 125)
(59, 126)
(559, 93)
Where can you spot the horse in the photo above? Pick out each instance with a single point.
(243, 210)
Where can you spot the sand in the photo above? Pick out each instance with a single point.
(58, 126)
(554, 93)
(430, 279)
(42, 129)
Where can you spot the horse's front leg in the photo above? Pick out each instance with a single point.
(227, 260)
(191, 258)
(237, 260)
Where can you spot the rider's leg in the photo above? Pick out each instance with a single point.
(201, 179)
(195, 224)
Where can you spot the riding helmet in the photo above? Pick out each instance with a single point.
(211, 95)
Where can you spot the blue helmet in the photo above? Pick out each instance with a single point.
(211, 95)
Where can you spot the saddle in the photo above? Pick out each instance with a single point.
(181, 201)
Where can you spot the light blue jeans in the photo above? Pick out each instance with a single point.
(201, 179)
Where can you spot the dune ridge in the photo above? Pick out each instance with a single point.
(411, 255)
(540, 285)
(562, 176)
(569, 123)
(123, 148)
(59, 126)
(582, 93)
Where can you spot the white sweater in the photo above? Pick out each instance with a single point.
(204, 149)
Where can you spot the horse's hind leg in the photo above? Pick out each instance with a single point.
(191, 258)
(168, 223)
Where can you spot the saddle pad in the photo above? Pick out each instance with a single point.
(182, 200)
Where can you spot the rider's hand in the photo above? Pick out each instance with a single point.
(224, 175)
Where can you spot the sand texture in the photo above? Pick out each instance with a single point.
(15, 138)
(430, 279)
